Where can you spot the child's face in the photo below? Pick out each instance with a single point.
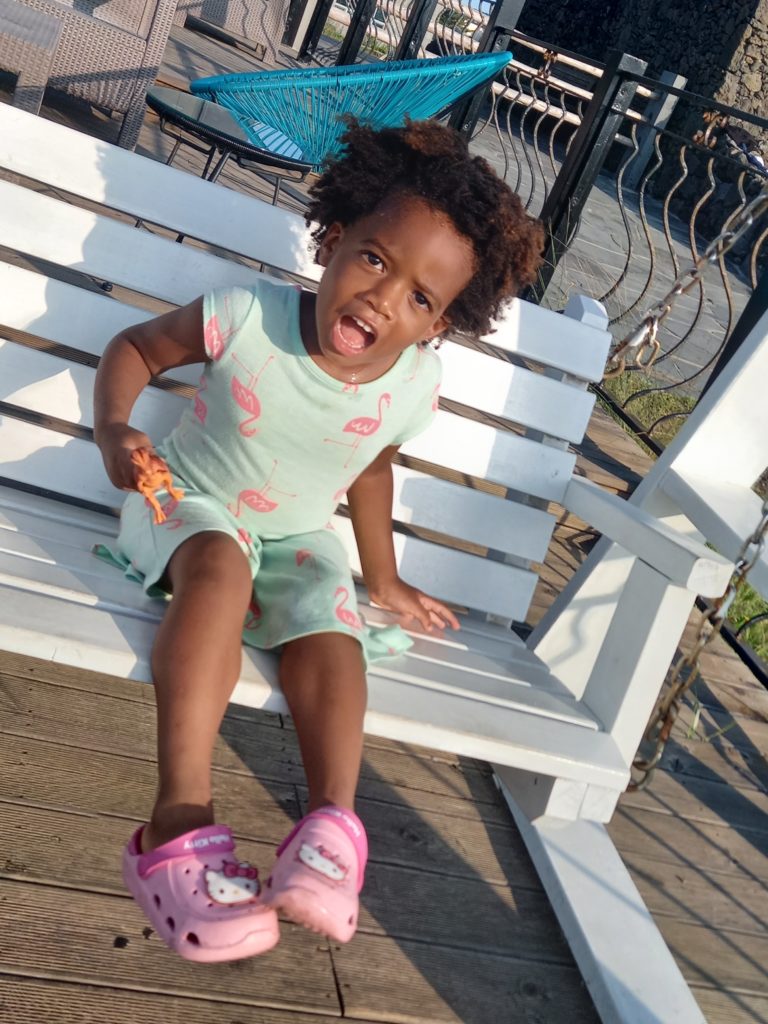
(388, 281)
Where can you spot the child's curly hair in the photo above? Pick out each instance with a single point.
(432, 162)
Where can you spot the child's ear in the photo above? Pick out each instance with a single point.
(440, 327)
(332, 237)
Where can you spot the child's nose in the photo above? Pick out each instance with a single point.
(383, 297)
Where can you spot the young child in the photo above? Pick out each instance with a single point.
(303, 398)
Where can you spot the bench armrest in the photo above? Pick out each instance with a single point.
(681, 559)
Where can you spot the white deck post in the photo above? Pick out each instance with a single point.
(621, 954)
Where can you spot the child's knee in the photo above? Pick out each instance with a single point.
(211, 559)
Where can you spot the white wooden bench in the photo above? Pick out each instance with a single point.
(559, 716)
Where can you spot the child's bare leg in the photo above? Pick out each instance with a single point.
(196, 662)
(323, 680)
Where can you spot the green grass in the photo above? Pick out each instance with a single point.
(646, 410)
(649, 408)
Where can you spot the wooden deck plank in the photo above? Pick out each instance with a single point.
(96, 721)
(726, 902)
(73, 935)
(49, 774)
(41, 1001)
(711, 847)
(700, 800)
(55, 847)
(502, 989)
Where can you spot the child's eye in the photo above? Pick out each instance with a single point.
(421, 300)
(373, 259)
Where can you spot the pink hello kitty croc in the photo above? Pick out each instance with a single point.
(318, 873)
(199, 898)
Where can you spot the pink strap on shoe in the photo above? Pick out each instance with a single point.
(210, 839)
(349, 823)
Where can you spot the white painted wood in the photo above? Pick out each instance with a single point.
(590, 313)
(683, 560)
(619, 678)
(454, 576)
(725, 513)
(473, 515)
(124, 254)
(626, 965)
(53, 386)
(151, 191)
(502, 458)
(61, 312)
(726, 437)
(579, 346)
(516, 394)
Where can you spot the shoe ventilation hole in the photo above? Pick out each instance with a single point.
(351, 920)
(192, 939)
(171, 923)
(157, 900)
(194, 892)
(186, 871)
(210, 905)
(269, 883)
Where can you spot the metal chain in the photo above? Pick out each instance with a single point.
(641, 346)
(686, 669)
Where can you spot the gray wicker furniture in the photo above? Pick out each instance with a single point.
(28, 40)
(109, 53)
(258, 23)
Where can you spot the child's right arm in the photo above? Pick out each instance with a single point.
(131, 359)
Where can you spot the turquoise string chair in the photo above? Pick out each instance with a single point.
(297, 113)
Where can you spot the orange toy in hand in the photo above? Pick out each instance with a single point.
(152, 474)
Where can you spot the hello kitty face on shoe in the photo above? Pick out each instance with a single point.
(233, 883)
(322, 861)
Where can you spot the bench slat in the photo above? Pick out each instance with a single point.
(76, 466)
(64, 313)
(56, 387)
(725, 512)
(123, 254)
(91, 638)
(148, 189)
(502, 389)
(42, 519)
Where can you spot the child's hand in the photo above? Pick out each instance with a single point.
(118, 442)
(412, 605)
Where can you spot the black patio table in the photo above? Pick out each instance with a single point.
(211, 130)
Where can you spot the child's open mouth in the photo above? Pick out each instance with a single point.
(351, 336)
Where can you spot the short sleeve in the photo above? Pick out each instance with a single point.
(427, 386)
(225, 310)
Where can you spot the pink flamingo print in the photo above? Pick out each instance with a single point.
(258, 501)
(416, 363)
(305, 556)
(246, 397)
(436, 398)
(169, 508)
(215, 338)
(244, 537)
(346, 615)
(253, 618)
(344, 488)
(201, 409)
(362, 426)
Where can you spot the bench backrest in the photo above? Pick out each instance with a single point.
(473, 493)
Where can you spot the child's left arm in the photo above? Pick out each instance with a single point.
(370, 504)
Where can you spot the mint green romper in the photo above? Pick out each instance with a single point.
(264, 453)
